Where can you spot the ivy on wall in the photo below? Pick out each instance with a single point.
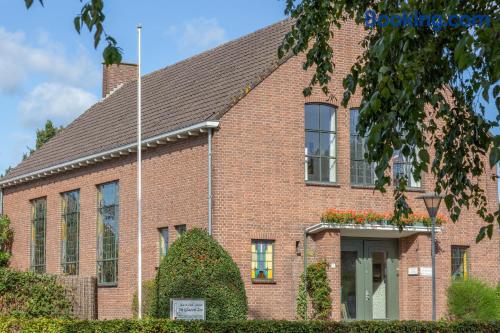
(316, 288)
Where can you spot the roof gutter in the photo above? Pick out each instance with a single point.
(161, 139)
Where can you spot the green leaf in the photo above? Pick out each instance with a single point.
(494, 156)
(423, 155)
(77, 23)
(489, 231)
(481, 234)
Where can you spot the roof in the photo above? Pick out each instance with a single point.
(194, 90)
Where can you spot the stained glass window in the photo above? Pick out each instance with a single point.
(362, 172)
(38, 234)
(460, 263)
(163, 242)
(262, 260)
(320, 143)
(70, 232)
(107, 233)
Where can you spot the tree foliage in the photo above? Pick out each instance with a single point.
(92, 17)
(198, 267)
(421, 90)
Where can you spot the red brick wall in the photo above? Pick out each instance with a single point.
(114, 75)
(174, 192)
(259, 192)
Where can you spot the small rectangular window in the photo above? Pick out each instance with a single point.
(460, 262)
(38, 234)
(163, 232)
(180, 230)
(262, 260)
(320, 143)
(362, 172)
(107, 233)
(70, 231)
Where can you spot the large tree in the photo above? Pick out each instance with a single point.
(421, 86)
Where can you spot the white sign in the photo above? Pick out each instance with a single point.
(426, 271)
(412, 270)
(187, 309)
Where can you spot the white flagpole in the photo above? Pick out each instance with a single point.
(139, 177)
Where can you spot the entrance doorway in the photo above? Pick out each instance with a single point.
(369, 279)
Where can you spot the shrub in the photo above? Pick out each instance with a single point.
(6, 238)
(473, 300)
(148, 300)
(29, 295)
(246, 326)
(198, 267)
(317, 289)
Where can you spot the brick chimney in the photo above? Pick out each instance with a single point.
(115, 75)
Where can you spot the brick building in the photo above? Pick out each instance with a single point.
(230, 142)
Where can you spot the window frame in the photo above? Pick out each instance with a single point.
(99, 260)
(320, 156)
(463, 249)
(352, 158)
(180, 229)
(271, 280)
(407, 165)
(33, 242)
(64, 228)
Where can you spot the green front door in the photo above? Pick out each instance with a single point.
(369, 279)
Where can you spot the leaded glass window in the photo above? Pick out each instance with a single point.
(180, 230)
(262, 260)
(362, 172)
(70, 232)
(107, 233)
(320, 143)
(38, 234)
(460, 263)
(163, 242)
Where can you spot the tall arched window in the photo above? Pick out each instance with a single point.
(320, 143)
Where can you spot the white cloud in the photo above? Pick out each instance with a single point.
(20, 60)
(58, 102)
(197, 34)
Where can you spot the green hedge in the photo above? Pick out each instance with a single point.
(250, 326)
(30, 295)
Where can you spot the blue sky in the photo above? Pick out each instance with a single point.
(48, 71)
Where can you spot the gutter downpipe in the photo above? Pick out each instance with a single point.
(1, 201)
(210, 181)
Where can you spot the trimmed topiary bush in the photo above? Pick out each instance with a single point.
(148, 300)
(30, 295)
(198, 267)
(473, 300)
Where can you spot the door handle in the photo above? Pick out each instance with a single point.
(367, 295)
